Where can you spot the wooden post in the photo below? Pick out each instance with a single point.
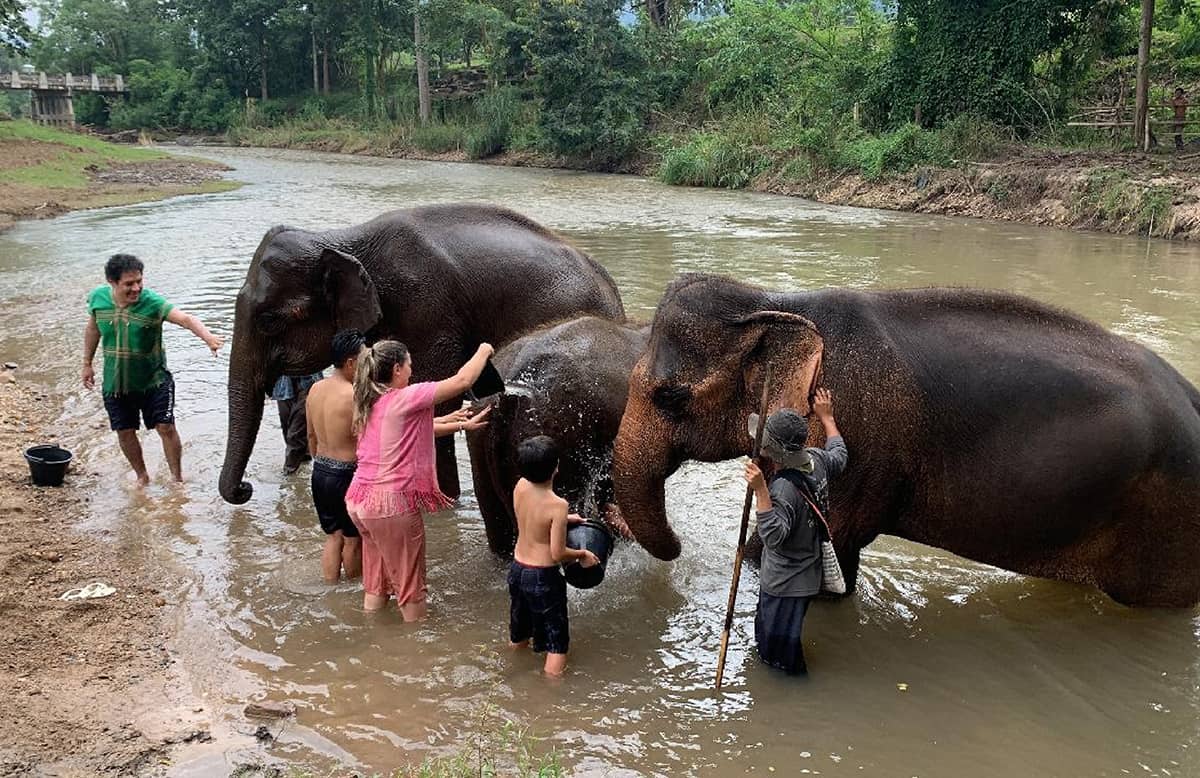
(857, 114)
(740, 554)
(917, 115)
(1141, 128)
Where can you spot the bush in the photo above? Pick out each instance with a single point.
(713, 159)
(439, 138)
(894, 152)
(497, 112)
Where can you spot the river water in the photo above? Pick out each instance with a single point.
(938, 667)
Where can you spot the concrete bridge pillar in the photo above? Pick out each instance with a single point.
(55, 109)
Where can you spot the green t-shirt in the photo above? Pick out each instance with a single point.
(131, 339)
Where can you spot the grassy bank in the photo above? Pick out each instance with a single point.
(45, 172)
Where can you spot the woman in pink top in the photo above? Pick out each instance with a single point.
(396, 479)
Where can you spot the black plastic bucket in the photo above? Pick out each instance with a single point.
(489, 382)
(596, 538)
(47, 464)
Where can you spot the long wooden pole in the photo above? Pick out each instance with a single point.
(741, 544)
(1141, 131)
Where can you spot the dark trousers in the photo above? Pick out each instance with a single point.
(779, 631)
(294, 423)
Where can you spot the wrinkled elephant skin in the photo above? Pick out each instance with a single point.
(569, 381)
(983, 423)
(442, 279)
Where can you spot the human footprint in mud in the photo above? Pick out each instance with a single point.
(535, 582)
(126, 319)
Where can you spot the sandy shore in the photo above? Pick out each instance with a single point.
(89, 687)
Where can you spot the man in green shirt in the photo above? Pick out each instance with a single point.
(127, 319)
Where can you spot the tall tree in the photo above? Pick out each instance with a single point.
(421, 50)
(14, 31)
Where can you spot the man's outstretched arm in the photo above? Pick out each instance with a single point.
(196, 327)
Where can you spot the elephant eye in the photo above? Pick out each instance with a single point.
(671, 400)
(270, 322)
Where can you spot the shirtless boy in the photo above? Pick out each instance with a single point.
(330, 410)
(535, 583)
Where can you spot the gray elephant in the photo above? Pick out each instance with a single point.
(569, 381)
(993, 426)
(440, 278)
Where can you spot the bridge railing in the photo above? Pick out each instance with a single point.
(62, 83)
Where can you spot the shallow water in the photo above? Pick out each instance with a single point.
(1005, 675)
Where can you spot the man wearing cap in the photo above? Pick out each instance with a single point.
(791, 531)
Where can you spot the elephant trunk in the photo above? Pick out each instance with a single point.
(246, 394)
(642, 461)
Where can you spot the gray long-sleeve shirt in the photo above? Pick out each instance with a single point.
(790, 531)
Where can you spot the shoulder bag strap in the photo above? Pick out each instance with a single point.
(801, 485)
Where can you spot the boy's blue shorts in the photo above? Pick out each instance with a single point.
(539, 607)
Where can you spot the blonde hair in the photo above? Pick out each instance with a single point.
(372, 376)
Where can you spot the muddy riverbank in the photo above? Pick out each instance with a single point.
(89, 687)
(46, 172)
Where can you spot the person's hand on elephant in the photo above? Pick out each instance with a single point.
(486, 349)
(475, 420)
(465, 419)
(823, 408)
(823, 404)
(89, 377)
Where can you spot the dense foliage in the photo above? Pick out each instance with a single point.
(721, 92)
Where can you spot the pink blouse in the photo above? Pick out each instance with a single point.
(397, 469)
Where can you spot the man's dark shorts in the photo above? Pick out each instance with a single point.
(156, 406)
(539, 607)
(330, 480)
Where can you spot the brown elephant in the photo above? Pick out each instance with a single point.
(440, 278)
(984, 423)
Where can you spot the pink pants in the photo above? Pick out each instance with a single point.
(393, 556)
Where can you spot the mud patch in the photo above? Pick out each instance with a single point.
(27, 153)
(79, 680)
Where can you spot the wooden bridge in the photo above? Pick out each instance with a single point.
(52, 103)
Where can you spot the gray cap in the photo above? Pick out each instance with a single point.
(784, 437)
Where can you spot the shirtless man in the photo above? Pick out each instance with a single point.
(535, 583)
(330, 410)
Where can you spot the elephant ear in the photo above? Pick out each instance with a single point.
(793, 346)
(349, 291)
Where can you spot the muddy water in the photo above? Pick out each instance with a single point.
(939, 667)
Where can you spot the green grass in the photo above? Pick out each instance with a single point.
(68, 169)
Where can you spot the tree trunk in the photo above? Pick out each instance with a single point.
(1142, 100)
(262, 66)
(325, 64)
(316, 78)
(422, 67)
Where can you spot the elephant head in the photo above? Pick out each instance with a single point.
(691, 392)
(298, 293)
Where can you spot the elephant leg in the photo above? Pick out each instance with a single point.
(447, 467)
(754, 550)
(447, 463)
(498, 522)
